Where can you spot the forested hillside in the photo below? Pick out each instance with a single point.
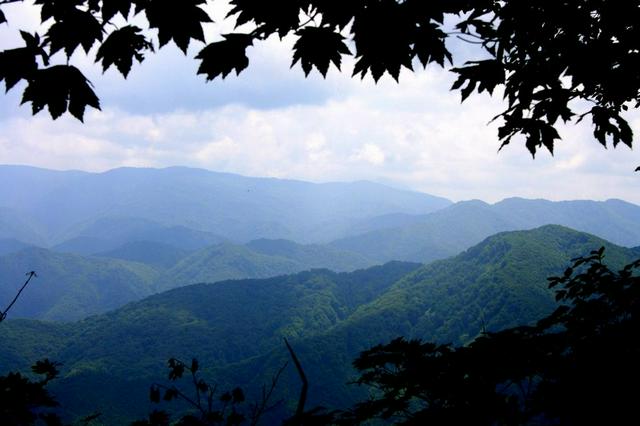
(70, 286)
(235, 327)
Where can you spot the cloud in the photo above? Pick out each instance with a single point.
(271, 121)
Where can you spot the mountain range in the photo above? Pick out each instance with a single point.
(235, 327)
(448, 231)
(48, 208)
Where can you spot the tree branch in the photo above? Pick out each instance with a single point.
(30, 275)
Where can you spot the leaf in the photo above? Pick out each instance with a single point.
(20, 64)
(222, 57)
(194, 365)
(485, 75)
(16, 65)
(383, 38)
(176, 369)
(237, 395)
(179, 23)
(75, 28)
(429, 45)
(57, 9)
(169, 394)
(121, 47)
(281, 19)
(608, 123)
(318, 47)
(61, 88)
(3, 19)
(112, 7)
(154, 394)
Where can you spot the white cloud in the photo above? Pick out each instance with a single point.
(271, 121)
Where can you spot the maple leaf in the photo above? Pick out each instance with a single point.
(178, 23)
(57, 9)
(319, 47)
(76, 28)
(610, 123)
(281, 19)
(222, 57)
(19, 64)
(485, 75)
(111, 8)
(61, 88)
(337, 12)
(382, 34)
(429, 45)
(121, 47)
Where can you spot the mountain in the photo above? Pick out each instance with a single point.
(235, 327)
(311, 255)
(109, 233)
(448, 231)
(151, 253)
(10, 245)
(59, 206)
(69, 286)
(257, 259)
(123, 351)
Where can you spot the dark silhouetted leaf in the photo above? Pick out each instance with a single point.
(222, 57)
(47, 368)
(61, 88)
(429, 45)
(170, 394)
(382, 35)
(485, 75)
(112, 7)
(3, 19)
(318, 47)
(610, 124)
(76, 28)
(154, 394)
(121, 47)
(180, 24)
(281, 19)
(17, 64)
(237, 395)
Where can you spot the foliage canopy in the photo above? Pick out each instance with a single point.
(553, 60)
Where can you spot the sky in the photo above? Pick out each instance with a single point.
(272, 121)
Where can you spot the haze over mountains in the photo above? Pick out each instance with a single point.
(47, 207)
(125, 234)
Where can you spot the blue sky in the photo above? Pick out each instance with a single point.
(271, 121)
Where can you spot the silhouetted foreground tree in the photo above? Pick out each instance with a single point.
(26, 402)
(545, 55)
(580, 365)
(208, 407)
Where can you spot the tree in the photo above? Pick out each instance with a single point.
(554, 60)
(574, 367)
